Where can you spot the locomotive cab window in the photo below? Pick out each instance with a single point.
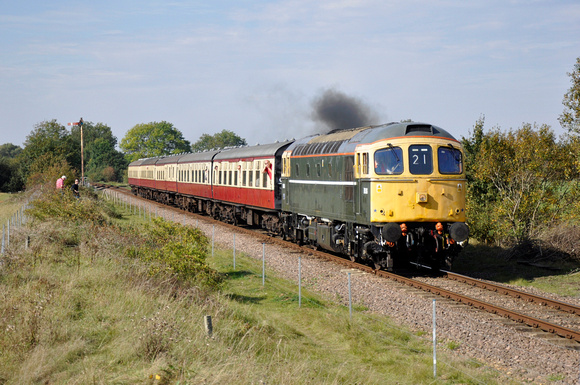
(450, 160)
(389, 161)
(420, 159)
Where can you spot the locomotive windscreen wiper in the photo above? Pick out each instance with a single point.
(393, 150)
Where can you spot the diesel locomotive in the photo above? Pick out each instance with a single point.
(386, 195)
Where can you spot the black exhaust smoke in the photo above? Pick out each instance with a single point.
(338, 111)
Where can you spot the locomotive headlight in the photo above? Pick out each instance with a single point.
(421, 197)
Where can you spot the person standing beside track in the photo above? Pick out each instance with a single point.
(60, 183)
(75, 189)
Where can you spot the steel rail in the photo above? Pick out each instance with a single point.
(563, 306)
(515, 316)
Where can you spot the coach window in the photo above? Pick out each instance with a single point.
(257, 179)
(250, 178)
(307, 169)
(318, 169)
(420, 159)
(449, 160)
(297, 168)
(264, 179)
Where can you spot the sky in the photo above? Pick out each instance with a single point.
(258, 67)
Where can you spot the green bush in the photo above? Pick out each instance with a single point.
(176, 250)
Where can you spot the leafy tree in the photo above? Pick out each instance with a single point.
(100, 152)
(9, 177)
(570, 118)
(49, 141)
(481, 194)
(9, 150)
(47, 168)
(525, 167)
(103, 156)
(217, 141)
(10, 180)
(153, 139)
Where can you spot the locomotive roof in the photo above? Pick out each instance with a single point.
(345, 141)
(395, 130)
(258, 151)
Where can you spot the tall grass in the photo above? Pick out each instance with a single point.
(93, 300)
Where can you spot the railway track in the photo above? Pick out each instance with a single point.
(535, 322)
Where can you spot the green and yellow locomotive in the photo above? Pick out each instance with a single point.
(353, 191)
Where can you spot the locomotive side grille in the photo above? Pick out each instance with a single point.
(317, 148)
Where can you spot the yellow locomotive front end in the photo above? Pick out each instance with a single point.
(411, 180)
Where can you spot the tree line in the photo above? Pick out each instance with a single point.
(51, 150)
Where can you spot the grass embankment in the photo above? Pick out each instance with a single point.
(9, 205)
(99, 298)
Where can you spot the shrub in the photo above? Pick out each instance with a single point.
(176, 250)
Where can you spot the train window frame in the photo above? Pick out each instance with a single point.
(389, 161)
(449, 160)
(365, 163)
(307, 169)
(420, 159)
(297, 169)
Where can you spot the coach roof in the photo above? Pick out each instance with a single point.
(136, 163)
(259, 151)
(205, 156)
